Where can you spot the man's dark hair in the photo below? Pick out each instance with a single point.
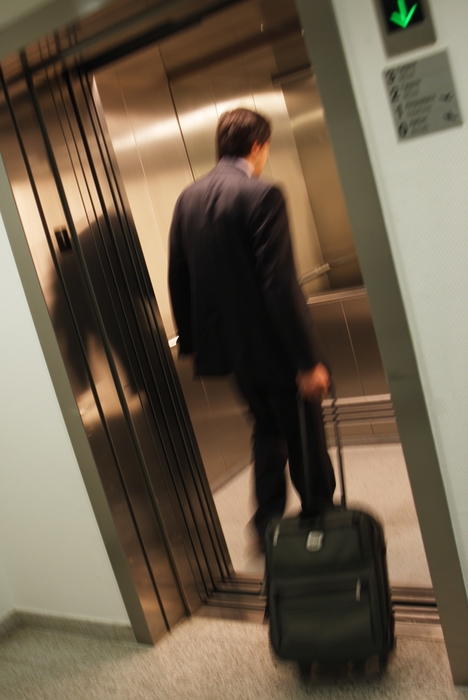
(237, 131)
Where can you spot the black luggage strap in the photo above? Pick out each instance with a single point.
(305, 448)
(305, 452)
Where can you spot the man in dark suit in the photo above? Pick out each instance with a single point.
(239, 309)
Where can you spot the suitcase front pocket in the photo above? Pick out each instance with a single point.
(327, 620)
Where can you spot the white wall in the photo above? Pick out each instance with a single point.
(423, 185)
(51, 551)
(6, 597)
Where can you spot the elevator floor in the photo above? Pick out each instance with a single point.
(376, 480)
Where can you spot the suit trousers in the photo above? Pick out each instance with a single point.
(276, 440)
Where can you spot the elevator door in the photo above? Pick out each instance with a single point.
(108, 327)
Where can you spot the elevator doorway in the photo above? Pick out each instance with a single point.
(159, 108)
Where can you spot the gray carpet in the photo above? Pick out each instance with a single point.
(203, 659)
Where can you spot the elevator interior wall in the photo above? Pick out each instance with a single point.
(161, 121)
(160, 106)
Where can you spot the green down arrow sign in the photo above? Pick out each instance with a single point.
(403, 17)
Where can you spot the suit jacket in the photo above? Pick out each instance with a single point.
(232, 280)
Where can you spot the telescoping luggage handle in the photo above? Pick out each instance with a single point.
(305, 448)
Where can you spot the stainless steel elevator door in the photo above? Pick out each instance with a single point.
(107, 324)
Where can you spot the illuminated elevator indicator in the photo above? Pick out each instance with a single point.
(403, 17)
(402, 14)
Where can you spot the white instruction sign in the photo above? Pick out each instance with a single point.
(422, 96)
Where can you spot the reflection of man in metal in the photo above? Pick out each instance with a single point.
(239, 309)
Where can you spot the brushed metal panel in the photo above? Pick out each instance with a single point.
(198, 116)
(142, 115)
(241, 74)
(287, 172)
(322, 181)
(362, 419)
(128, 329)
(202, 419)
(151, 156)
(234, 31)
(331, 327)
(151, 153)
(365, 347)
(246, 81)
(212, 37)
(231, 420)
(353, 351)
(219, 419)
(67, 336)
(115, 386)
(146, 166)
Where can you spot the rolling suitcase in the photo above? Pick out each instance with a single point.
(328, 596)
